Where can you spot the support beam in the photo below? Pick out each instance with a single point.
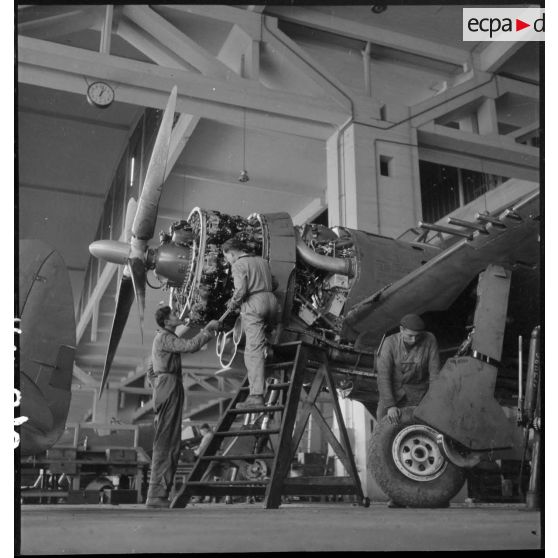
(474, 163)
(490, 148)
(300, 60)
(95, 322)
(526, 132)
(176, 41)
(369, 33)
(522, 88)
(84, 377)
(142, 411)
(100, 288)
(62, 67)
(310, 212)
(106, 30)
(495, 54)
(133, 35)
(256, 8)
(22, 109)
(249, 20)
(201, 408)
(65, 191)
(469, 123)
(468, 93)
(72, 21)
(252, 61)
(204, 383)
(97, 360)
(135, 390)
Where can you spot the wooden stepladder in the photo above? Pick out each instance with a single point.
(261, 442)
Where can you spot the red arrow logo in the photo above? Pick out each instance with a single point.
(519, 24)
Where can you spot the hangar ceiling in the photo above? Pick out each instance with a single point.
(284, 73)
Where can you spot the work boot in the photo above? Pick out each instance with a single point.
(251, 401)
(157, 502)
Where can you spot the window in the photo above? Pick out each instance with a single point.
(439, 189)
(444, 188)
(384, 165)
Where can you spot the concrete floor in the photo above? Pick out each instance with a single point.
(221, 528)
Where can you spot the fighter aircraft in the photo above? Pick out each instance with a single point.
(339, 288)
(46, 345)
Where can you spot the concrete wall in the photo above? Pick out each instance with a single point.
(358, 195)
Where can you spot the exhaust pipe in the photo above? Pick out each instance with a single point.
(344, 266)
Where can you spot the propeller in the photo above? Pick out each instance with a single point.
(138, 230)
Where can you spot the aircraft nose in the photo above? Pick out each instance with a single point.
(110, 250)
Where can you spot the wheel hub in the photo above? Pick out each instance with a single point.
(256, 471)
(416, 453)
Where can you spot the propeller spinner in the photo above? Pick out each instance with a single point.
(134, 252)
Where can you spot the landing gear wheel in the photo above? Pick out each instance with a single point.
(366, 502)
(408, 465)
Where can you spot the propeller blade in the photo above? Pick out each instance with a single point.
(143, 226)
(112, 251)
(131, 211)
(123, 305)
(138, 273)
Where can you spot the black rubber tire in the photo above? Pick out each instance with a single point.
(401, 489)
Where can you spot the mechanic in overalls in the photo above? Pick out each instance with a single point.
(253, 292)
(168, 400)
(408, 361)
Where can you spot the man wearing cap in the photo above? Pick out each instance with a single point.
(165, 375)
(253, 293)
(407, 363)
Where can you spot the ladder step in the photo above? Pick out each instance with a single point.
(290, 344)
(247, 488)
(227, 484)
(280, 364)
(245, 432)
(262, 409)
(305, 486)
(279, 386)
(240, 456)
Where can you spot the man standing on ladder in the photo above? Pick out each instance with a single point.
(253, 286)
(168, 400)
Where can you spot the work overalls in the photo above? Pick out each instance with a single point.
(168, 403)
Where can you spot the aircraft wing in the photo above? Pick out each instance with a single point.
(436, 284)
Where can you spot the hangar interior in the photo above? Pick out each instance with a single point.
(341, 116)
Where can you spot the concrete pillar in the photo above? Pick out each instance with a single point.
(469, 124)
(373, 180)
(487, 118)
(373, 185)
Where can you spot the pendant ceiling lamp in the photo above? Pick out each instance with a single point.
(244, 173)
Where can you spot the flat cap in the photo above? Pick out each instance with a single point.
(413, 322)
